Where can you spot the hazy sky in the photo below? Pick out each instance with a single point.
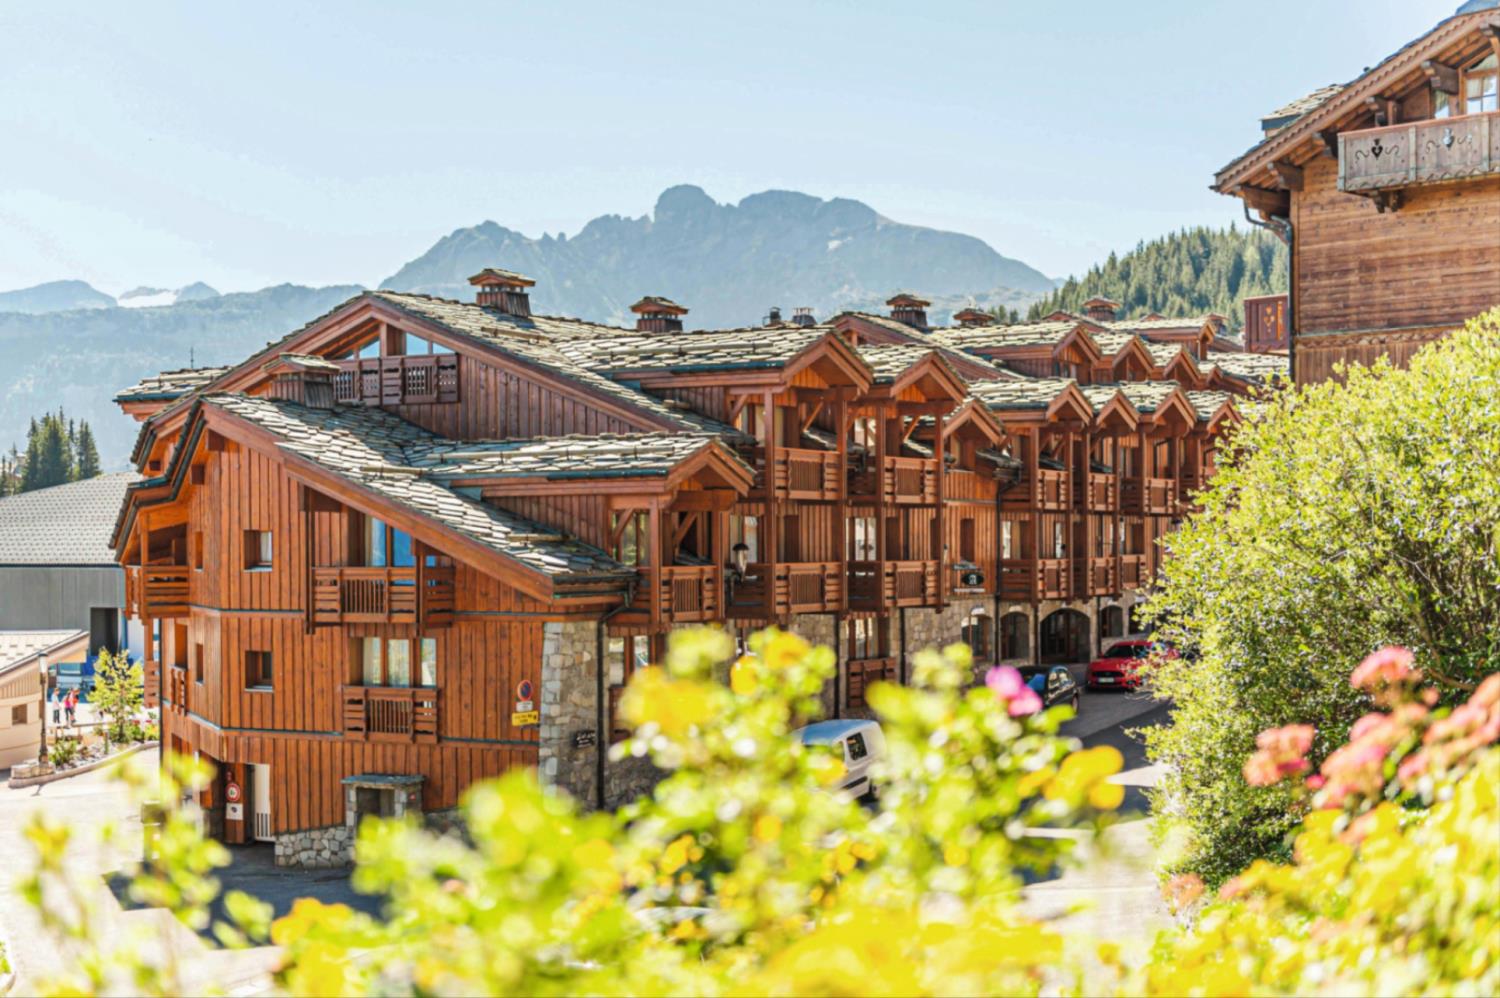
(319, 142)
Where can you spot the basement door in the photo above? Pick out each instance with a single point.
(260, 796)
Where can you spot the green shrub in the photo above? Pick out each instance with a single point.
(64, 750)
(1345, 517)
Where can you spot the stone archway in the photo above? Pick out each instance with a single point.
(1112, 622)
(1065, 637)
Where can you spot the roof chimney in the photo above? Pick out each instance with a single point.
(971, 317)
(773, 317)
(803, 317)
(1101, 309)
(909, 309)
(658, 315)
(503, 290)
(303, 379)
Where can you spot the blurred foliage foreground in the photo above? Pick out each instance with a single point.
(745, 873)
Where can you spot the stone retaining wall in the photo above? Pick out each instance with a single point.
(316, 848)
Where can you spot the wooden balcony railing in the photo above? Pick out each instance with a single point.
(907, 481)
(863, 672)
(177, 686)
(691, 593)
(1157, 496)
(1100, 576)
(876, 585)
(358, 595)
(795, 587)
(1422, 152)
(1101, 493)
(809, 475)
(1133, 572)
(156, 591)
(390, 713)
(409, 380)
(1029, 579)
(1049, 490)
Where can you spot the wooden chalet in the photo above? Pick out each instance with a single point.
(419, 541)
(1387, 189)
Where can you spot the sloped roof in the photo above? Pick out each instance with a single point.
(169, 385)
(889, 361)
(376, 450)
(63, 525)
(1290, 112)
(1027, 393)
(709, 350)
(1258, 367)
(1208, 403)
(1147, 326)
(635, 455)
(18, 648)
(1146, 396)
(1025, 334)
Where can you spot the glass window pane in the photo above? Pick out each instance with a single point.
(415, 344)
(429, 661)
(374, 542)
(398, 663)
(439, 348)
(265, 547)
(401, 550)
(370, 662)
(369, 350)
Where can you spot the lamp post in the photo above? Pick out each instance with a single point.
(42, 709)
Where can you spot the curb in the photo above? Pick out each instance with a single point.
(32, 781)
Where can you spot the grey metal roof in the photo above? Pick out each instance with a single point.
(63, 525)
(379, 451)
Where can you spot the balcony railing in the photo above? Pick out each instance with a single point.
(863, 672)
(1029, 579)
(419, 378)
(907, 481)
(358, 595)
(1133, 572)
(691, 593)
(1101, 493)
(390, 713)
(177, 686)
(809, 475)
(156, 591)
(1048, 490)
(1422, 152)
(795, 587)
(1156, 496)
(1101, 576)
(882, 584)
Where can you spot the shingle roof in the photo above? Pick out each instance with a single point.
(1290, 112)
(1157, 325)
(1025, 334)
(1208, 403)
(16, 647)
(1146, 396)
(377, 450)
(888, 361)
(63, 525)
(169, 384)
(1259, 367)
(1027, 393)
(709, 350)
(636, 455)
(1162, 353)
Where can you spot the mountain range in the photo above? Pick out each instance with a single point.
(66, 343)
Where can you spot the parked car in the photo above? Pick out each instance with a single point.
(1054, 684)
(1120, 665)
(862, 742)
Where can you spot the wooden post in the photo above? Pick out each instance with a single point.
(771, 535)
(654, 547)
(841, 505)
(939, 538)
(880, 524)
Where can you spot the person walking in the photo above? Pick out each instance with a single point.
(71, 706)
(56, 707)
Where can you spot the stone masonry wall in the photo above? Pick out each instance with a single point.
(315, 848)
(569, 705)
(821, 629)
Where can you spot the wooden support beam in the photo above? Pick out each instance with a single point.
(1443, 78)
(1330, 140)
(1269, 201)
(1378, 110)
(812, 415)
(1289, 175)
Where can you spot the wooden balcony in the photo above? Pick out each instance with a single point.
(1422, 152)
(1133, 572)
(807, 475)
(864, 672)
(420, 378)
(156, 591)
(1101, 493)
(176, 686)
(690, 594)
(1099, 576)
(906, 481)
(875, 585)
(1029, 579)
(390, 713)
(1153, 496)
(357, 595)
(795, 587)
(1049, 490)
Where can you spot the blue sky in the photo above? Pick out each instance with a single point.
(318, 143)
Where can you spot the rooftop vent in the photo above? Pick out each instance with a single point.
(504, 291)
(803, 317)
(909, 309)
(1101, 309)
(303, 379)
(971, 317)
(654, 314)
(773, 317)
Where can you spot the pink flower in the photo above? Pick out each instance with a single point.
(1289, 740)
(1024, 703)
(1385, 667)
(1488, 693)
(1315, 782)
(1261, 770)
(1365, 725)
(1005, 681)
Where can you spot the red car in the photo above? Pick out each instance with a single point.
(1120, 665)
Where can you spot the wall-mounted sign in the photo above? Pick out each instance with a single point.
(972, 578)
(525, 705)
(523, 690)
(583, 739)
(525, 718)
(232, 792)
(235, 811)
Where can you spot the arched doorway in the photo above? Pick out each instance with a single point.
(1015, 636)
(1112, 622)
(976, 633)
(1065, 637)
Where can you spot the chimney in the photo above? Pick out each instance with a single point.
(773, 317)
(909, 309)
(303, 379)
(654, 314)
(803, 317)
(971, 317)
(1101, 309)
(504, 291)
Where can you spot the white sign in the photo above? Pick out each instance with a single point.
(524, 705)
(235, 812)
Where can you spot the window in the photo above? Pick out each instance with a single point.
(398, 663)
(389, 663)
(1482, 86)
(1007, 548)
(258, 669)
(198, 550)
(966, 543)
(622, 657)
(372, 661)
(198, 662)
(857, 748)
(385, 546)
(1059, 547)
(417, 345)
(745, 530)
(868, 638)
(257, 550)
(1442, 104)
(631, 545)
(1112, 622)
(1015, 631)
(864, 547)
(976, 634)
(18, 713)
(428, 672)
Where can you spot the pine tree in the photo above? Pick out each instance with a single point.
(49, 458)
(86, 454)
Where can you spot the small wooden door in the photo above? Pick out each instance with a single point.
(260, 795)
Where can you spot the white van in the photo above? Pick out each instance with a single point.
(862, 742)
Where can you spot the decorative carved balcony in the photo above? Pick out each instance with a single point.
(1030, 579)
(390, 713)
(1133, 572)
(795, 587)
(1100, 576)
(177, 686)
(1049, 490)
(807, 475)
(358, 595)
(413, 380)
(1101, 493)
(906, 481)
(1422, 152)
(691, 593)
(156, 591)
(1149, 496)
(875, 585)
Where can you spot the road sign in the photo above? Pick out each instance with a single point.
(232, 792)
(526, 718)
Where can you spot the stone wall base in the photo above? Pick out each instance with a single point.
(316, 848)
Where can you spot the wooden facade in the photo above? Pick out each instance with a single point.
(1388, 190)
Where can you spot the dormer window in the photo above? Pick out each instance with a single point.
(1482, 86)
